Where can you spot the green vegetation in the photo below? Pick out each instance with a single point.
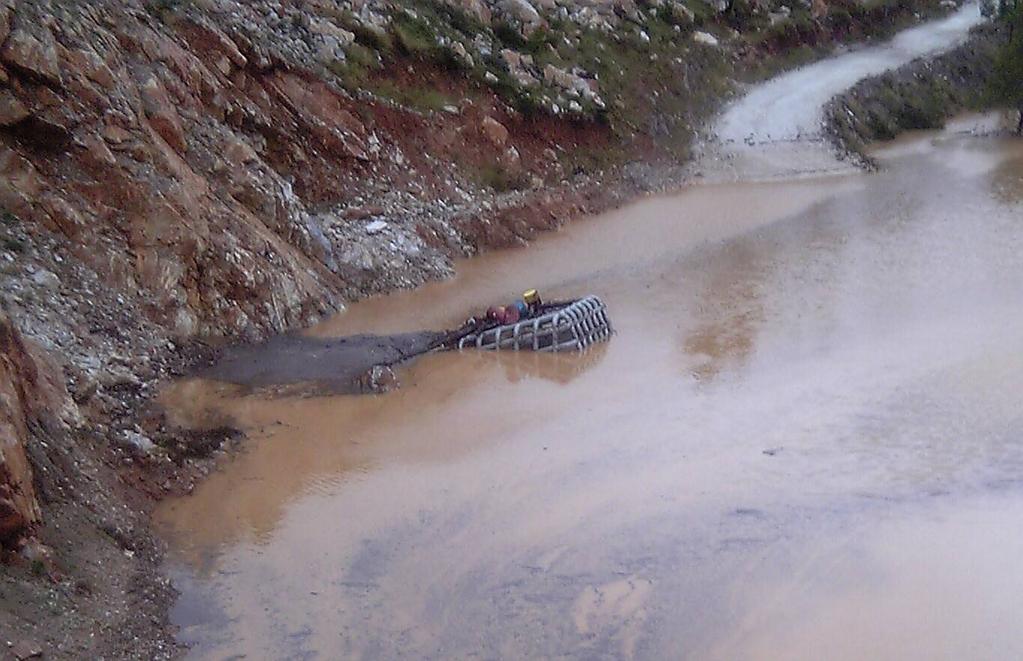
(1006, 85)
(413, 35)
(162, 9)
(8, 233)
(655, 82)
(417, 97)
(501, 179)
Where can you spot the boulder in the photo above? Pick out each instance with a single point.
(680, 14)
(87, 64)
(46, 279)
(462, 55)
(522, 12)
(705, 38)
(20, 184)
(63, 215)
(519, 66)
(477, 9)
(494, 131)
(6, 14)
(334, 40)
(161, 113)
(376, 227)
(572, 83)
(12, 110)
(138, 443)
(378, 379)
(780, 16)
(33, 54)
(19, 509)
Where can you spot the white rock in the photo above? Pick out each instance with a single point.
(521, 10)
(376, 227)
(140, 442)
(47, 279)
(463, 55)
(705, 38)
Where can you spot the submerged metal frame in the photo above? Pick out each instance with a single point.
(571, 328)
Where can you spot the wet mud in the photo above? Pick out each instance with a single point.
(296, 362)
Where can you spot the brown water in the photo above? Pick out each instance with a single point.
(805, 442)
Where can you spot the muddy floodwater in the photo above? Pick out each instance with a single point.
(805, 442)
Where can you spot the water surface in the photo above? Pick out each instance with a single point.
(806, 441)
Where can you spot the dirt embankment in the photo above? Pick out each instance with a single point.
(920, 95)
(182, 169)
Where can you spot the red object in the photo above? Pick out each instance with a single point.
(503, 314)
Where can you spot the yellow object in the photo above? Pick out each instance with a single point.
(530, 296)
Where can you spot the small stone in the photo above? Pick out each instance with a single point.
(26, 649)
(115, 134)
(46, 279)
(118, 377)
(85, 389)
(140, 442)
(376, 227)
(379, 379)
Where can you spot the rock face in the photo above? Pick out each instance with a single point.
(20, 396)
(34, 54)
(200, 156)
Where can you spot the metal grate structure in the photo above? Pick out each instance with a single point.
(570, 328)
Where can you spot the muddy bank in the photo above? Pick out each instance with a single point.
(355, 364)
(920, 95)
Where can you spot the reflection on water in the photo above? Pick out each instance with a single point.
(730, 309)
(857, 348)
(303, 445)
(559, 368)
(946, 584)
